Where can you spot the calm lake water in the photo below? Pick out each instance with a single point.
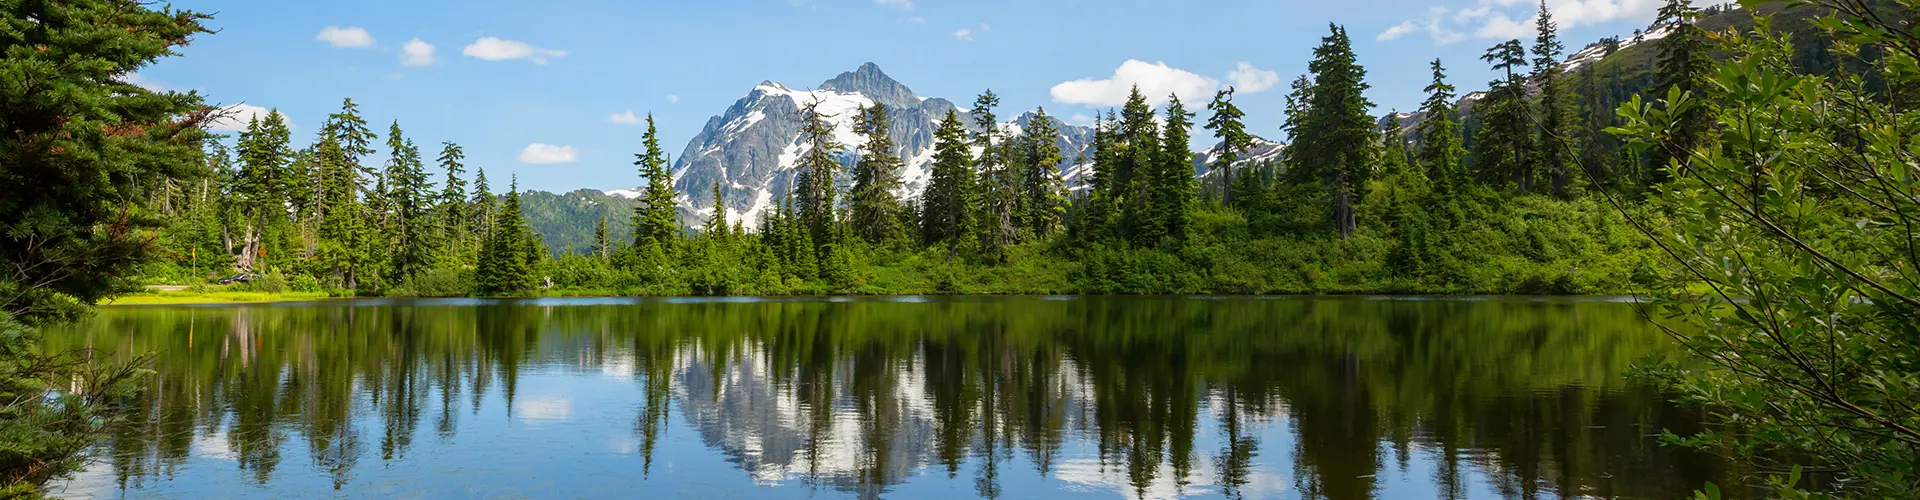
(934, 398)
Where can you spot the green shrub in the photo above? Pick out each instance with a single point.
(437, 283)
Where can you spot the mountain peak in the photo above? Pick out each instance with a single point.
(868, 79)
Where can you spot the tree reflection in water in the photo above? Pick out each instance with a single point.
(990, 397)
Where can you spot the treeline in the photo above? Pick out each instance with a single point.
(1499, 198)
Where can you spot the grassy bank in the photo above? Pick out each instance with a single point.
(211, 297)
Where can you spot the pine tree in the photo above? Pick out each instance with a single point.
(481, 208)
(1173, 183)
(1227, 125)
(1683, 64)
(1138, 153)
(1043, 190)
(262, 185)
(1101, 186)
(655, 221)
(350, 131)
(874, 211)
(452, 205)
(410, 196)
(716, 228)
(506, 264)
(818, 168)
(997, 187)
(1502, 149)
(340, 224)
(1554, 135)
(602, 242)
(1335, 133)
(946, 211)
(1441, 154)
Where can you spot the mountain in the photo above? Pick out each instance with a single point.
(752, 148)
(569, 219)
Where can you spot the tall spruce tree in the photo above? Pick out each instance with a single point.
(452, 206)
(946, 213)
(1137, 152)
(1173, 183)
(1502, 148)
(410, 195)
(602, 241)
(818, 170)
(1043, 190)
(716, 228)
(1228, 126)
(263, 183)
(506, 264)
(655, 220)
(874, 212)
(1554, 138)
(1683, 64)
(1335, 136)
(998, 188)
(1440, 152)
(481, 208)
(350, 131)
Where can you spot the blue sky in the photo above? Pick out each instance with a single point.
(531, 88)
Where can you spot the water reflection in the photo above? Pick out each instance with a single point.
(1001, 397)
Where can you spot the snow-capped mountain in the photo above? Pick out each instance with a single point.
(753, 147)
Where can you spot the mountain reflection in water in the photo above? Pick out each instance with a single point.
(1144, 397)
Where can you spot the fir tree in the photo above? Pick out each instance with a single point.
(350, 131)
(716, 228)
(1682, 64)
(1440, 152)
(874, 211)
(481, 208)
(262, 184)
(1555, 117)
(1137, 153)
(1043, 190)
(998, 188)
(506, 264)
(946, 211)
(1227, 125)
(411, 199)
(602, 242)
(1335, 133)
(1173, 183)
(1502, 149)
(818, 169)
(655, 220)
(452, 205)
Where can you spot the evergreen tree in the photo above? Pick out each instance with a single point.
(998, 188)
(1227, 126)
(602, 242)
(452, 205)
(716, 228)
(506, 264)
(261, 185)
(874, 211)
(350, 131)
(946, 211)
(1103, 191)
(1440, 153)
(1502, 149)
(1335, 134)
(655, 221)
(1682, 64)
(1137, 152)
(1043, 190)
(1554, 134)
(410, 195)
(481, 208)
(341, 223)
(1173, 183)
(818, 168)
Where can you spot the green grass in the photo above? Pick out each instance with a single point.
(211, 297)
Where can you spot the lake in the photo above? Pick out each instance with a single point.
(917, 398)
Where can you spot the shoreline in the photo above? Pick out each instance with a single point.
(182, 298)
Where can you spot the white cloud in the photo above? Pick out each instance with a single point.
(543, 154)
(141, 81)
(673, 99)
(416, 53)
(238, 115)
(495, 49)
(1156, 81)
(348, 37)
(1248, 79)
(1506, 19)
(625, 118)
(963, 34)
(902, 4)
